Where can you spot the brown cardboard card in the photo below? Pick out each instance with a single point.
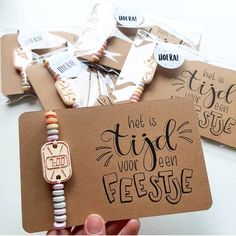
(10, 79)
(44, 87)
(166, 36)
(212, 89)
(128, 161)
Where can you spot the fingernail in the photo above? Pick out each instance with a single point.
(94, 224)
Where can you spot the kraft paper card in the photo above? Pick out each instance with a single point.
(40, 79)
(10, 79)
(212, 89)
(128, 161)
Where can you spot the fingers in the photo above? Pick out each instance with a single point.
(59, 232)
(94, 225)
(114, 227)
(131, 228)
(77, 230)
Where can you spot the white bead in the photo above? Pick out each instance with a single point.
(58, 199)
(59, 226)
(59, 205)
(58, 192)
(59, 212)
(60, 218)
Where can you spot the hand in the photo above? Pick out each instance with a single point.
(95, 225)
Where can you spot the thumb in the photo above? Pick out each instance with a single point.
(94, 225)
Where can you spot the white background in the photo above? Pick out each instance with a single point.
(215, 20)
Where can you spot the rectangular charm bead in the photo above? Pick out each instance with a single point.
(56, 162)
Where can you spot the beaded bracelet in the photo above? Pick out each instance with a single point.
(147, 78)
(19, 52)
(135, 97)
(96, 57)
(57, 169)
(63, 88)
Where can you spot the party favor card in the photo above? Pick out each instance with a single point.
(11, 63)
(128, 161)
(211, 88)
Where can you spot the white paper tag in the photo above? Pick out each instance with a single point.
(65, 64)
(39, 39)
(127, 19)
(168, 55)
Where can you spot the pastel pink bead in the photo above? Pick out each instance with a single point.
(61, 225)
(135, 97)
(133, 100)
(58, 186)
(76, 105)
(56, 76)
(51, 138)
(58, 212)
